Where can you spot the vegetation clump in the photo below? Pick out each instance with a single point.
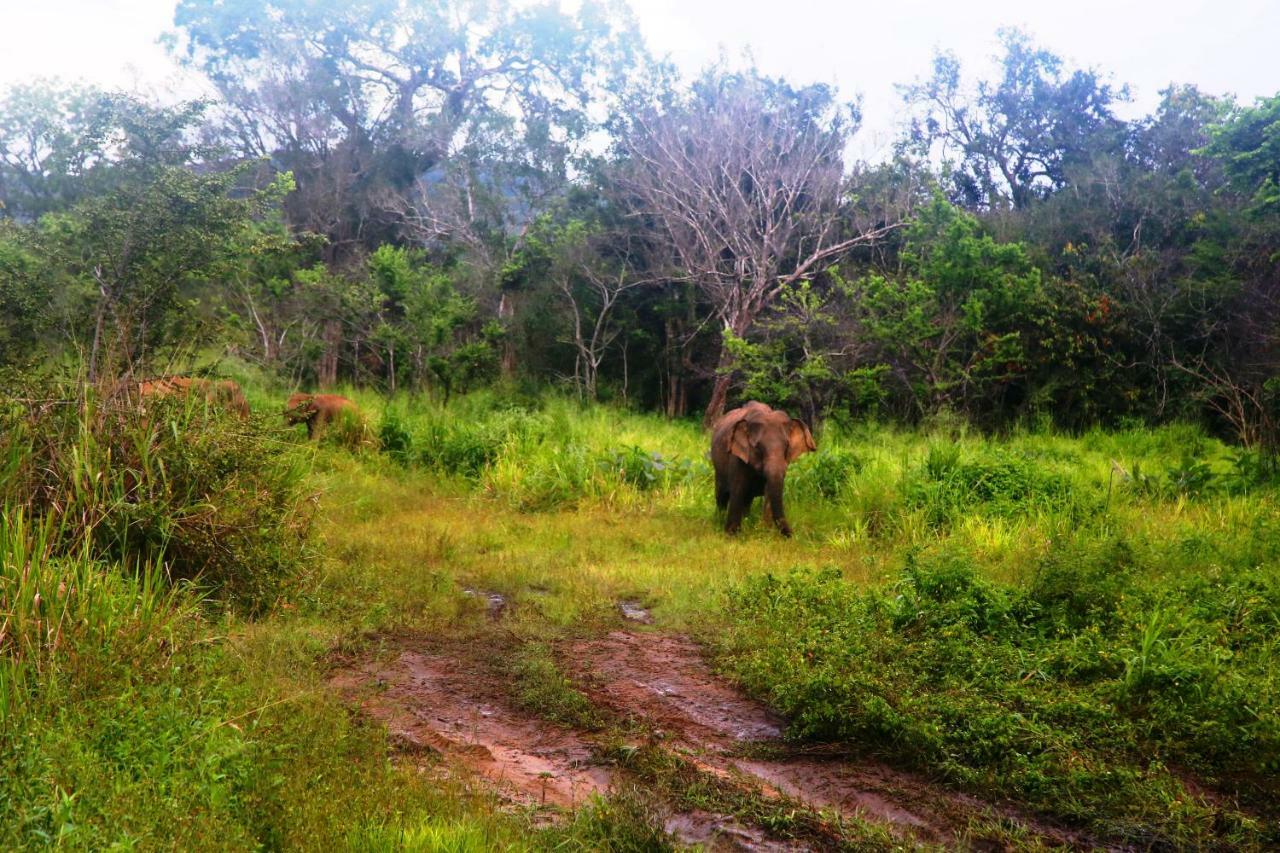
(1080, 692)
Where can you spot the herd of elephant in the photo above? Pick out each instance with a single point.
(315, 410)
(751, 446)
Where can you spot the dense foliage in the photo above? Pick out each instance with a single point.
(430, 197)
(478, 219)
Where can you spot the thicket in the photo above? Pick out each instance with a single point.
(183, 487)
(1061, 263)
(1085, 691)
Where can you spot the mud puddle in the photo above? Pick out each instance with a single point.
(634, 612)
(495, 604)
(721, 832)
(663, 682)
(438, 703)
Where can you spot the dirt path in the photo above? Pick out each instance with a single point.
(432, 700)
(438, 703)
(664, 683)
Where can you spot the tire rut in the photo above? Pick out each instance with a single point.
(441, 704)
(442, 701)
(664, 683)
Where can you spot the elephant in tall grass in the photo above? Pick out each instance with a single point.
(219, 393)
(751, 448)
(316, 410)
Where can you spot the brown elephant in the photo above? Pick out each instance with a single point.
(220, 393)
(316, 410)
(751, 448)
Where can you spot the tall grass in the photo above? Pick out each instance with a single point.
(57, 610)
(195, 492)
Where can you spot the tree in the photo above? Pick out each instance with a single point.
(362, 98)
(1015, 138)
(1247, 145)
(954, 328)
(51, 139)
(743, 179)
(155, 224)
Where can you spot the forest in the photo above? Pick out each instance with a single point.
(1033, 595)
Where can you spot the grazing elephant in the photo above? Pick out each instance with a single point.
(750, 450)
(316, 410)
(222, 393)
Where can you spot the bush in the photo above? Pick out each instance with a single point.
(644, 470)
(947, 486)
(827, 473)
(213, 499)
(394, 438)
(1059, 692)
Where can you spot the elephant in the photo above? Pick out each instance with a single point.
(220, 393)
(751, 447)
(316, 410)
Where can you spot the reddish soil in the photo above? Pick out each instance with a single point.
(443, 703)
(436, 703)
(664, 683)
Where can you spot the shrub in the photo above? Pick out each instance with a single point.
(827, 473)
(644, 470)
(947, 486)
(394, 438)
(1059, 692)
(214, 499)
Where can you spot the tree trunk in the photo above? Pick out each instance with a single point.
(720, 391)
(327, 370)
(719, 397)
(674, 391)
(506, 312)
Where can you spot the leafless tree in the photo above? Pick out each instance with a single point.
(745, 179)
(592, 285)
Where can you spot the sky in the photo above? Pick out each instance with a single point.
(864, 48)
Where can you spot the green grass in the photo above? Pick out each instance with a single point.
(1080, 623)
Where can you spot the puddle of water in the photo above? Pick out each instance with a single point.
(722, 832)
(494, 604)
(635, 613)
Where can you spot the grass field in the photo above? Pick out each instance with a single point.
(1082, 626)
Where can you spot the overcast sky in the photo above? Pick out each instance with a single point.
(862, 47)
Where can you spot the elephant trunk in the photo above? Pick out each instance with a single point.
(774, 476)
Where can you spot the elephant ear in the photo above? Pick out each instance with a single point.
(800, 441)
(740, 442)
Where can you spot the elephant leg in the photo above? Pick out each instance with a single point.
(739, 503)
(311, 427)
(722, 493)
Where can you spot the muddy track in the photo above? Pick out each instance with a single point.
(664, 683)
(435, 701)
(445, 705)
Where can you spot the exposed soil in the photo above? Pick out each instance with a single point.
(664, 683)
(440, 704)
(435, 701)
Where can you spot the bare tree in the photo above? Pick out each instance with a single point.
(592, 284)
(745, 180)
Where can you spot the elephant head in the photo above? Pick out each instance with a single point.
(756, 444)
(316, 410)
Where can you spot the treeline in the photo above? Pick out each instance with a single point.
(430, 196)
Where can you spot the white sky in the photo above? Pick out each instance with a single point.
(863, 47)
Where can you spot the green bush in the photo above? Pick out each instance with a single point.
(646, 470)
(827, 473)
(947, 486)
(1059, 692)
(213, 499)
